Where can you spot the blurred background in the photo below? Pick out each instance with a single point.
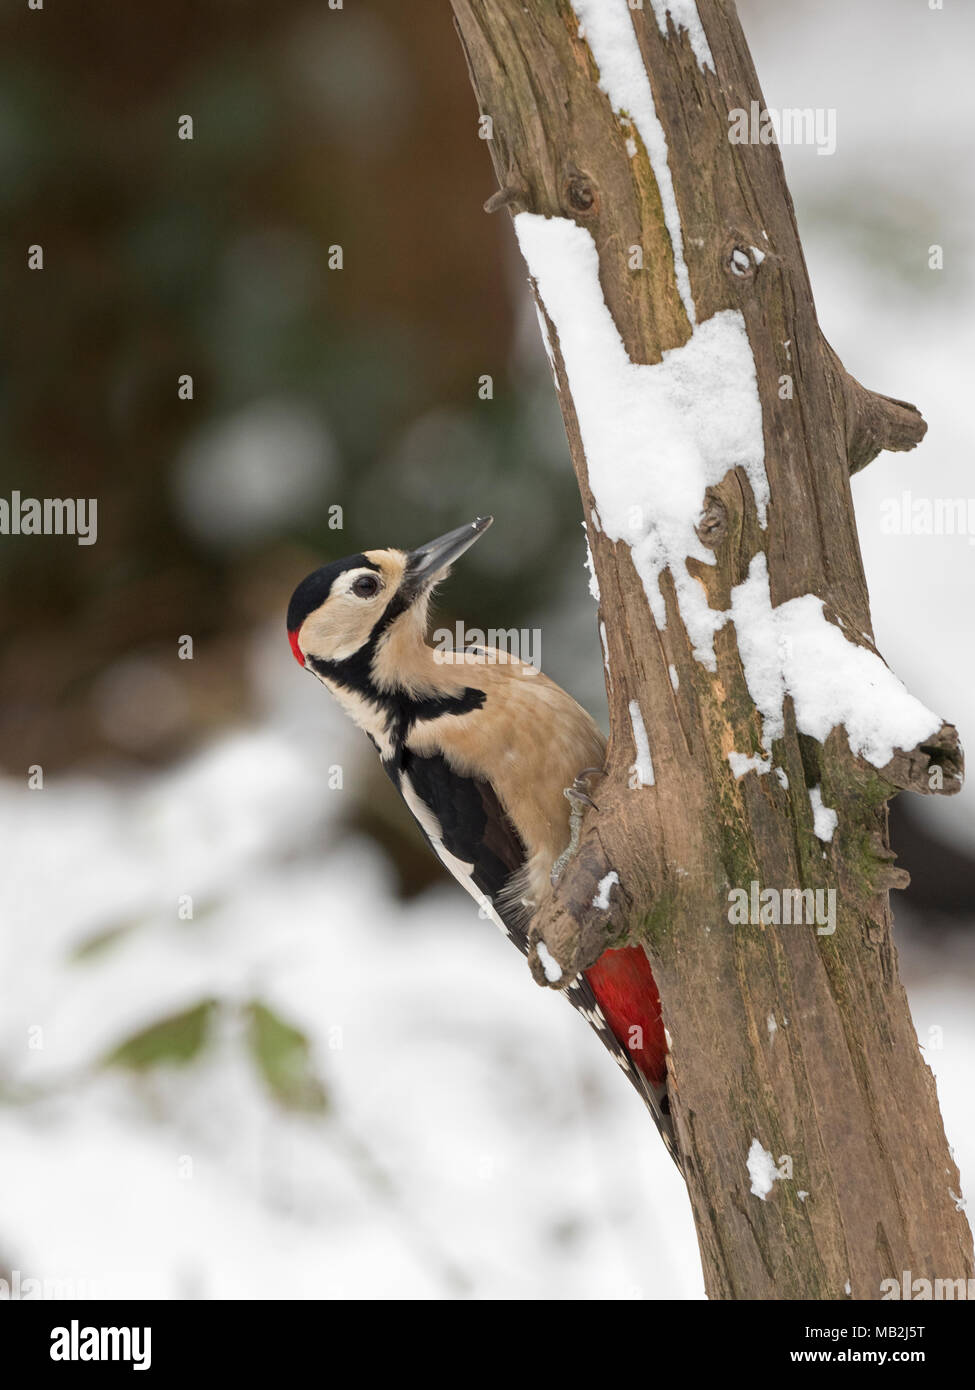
(252, 1042)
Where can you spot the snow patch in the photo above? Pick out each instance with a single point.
(548, 346)
(674, 680)
(656, 436)
(608, 30)
(794, 650)
(741, 763)
(825, 820)
(643, 766)
(553, 971)
(758, 647)
(685, 16)
(601, 900)
(761, 1170)
(593, 581)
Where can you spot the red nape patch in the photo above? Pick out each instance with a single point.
(623, 984)
(299, 655)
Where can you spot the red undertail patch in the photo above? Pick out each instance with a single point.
(623, 984)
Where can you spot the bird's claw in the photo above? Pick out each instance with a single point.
(578, 796)
(578, 793)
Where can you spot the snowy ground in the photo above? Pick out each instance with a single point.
(476, 1142)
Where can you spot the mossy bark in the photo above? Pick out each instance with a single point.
(799, 1040)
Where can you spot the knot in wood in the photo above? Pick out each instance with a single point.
(712, 527)
(581, 193)
(742, 260)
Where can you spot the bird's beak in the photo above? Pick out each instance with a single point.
(424, 564)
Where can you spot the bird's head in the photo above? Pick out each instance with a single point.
(344, 611)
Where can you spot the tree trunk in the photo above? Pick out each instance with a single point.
(789, 1043)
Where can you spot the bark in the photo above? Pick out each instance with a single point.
(838, 1086)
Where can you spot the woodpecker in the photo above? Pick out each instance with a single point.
(487, 754)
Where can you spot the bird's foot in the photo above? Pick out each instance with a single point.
(578, 797)
(578, 793)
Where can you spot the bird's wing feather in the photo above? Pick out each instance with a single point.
(472, 835)
(469, 829)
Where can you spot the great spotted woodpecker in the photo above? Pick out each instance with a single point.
(484, 750)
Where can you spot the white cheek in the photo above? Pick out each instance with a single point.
(343, 652)
(347, 626)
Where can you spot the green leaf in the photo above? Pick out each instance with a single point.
(283, 1057)
(176, 1040)
(101, 941)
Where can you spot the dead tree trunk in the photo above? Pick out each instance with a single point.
(790, 1044)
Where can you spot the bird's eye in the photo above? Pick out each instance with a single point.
(366, 586)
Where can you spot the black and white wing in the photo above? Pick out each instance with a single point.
(469, 830)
